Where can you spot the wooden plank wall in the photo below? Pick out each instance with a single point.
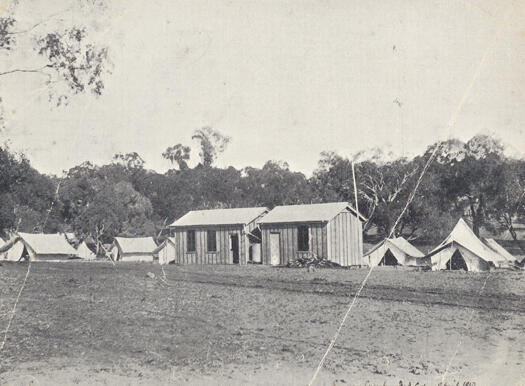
(201, 255)
(288, 241)
(345, 234)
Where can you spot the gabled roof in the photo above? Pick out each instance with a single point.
(136, 244)
(306, 213)
(233, 216)
(464, 236)
(47, 244)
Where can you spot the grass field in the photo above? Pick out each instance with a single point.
(86, 323)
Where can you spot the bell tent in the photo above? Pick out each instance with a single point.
(462, 249)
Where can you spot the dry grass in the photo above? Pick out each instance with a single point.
(95, 323)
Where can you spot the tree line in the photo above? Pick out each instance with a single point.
(473, 179)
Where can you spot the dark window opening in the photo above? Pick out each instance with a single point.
(211, 238)
(303, 238)
(190, 241)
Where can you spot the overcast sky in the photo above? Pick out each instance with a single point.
(285, 79)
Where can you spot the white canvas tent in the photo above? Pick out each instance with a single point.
(84, 252)
(15, 252)
(133, 249)
(492, 244)
(71, 238)
(12, 249)
(396, 251)
(462, 249)
(166, 251)
(38, 247)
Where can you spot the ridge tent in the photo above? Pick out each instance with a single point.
(133, 249)
(38, 247)
(84, 252)
(15, 252)
(72, 239)
(462, 249)
(166, 251)
(11, 249)
(396, 251)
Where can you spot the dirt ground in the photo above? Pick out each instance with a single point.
(95, 323)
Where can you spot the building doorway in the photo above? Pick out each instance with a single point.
(275, 250)
(234, 241)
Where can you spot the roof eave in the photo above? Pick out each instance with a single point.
(206, 225)
(294, 222)
(358, 214)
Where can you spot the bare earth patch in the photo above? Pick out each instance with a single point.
(93, 323)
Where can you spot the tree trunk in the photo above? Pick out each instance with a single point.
(512, 232)
(475, 227)
(477, 215)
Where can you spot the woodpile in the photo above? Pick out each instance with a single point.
(312, 260)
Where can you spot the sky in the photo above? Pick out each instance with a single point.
(285, 80)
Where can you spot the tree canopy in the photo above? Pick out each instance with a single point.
(69, 60)
(474, 180)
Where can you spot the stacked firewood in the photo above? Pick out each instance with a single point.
(312, 260)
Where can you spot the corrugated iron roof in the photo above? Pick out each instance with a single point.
(306, 213)
(136, 244)
(48, 244)
(232, 216)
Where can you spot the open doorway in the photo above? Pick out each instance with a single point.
(275, 248)
(234, 241)
(457, 262)
(388, 259)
